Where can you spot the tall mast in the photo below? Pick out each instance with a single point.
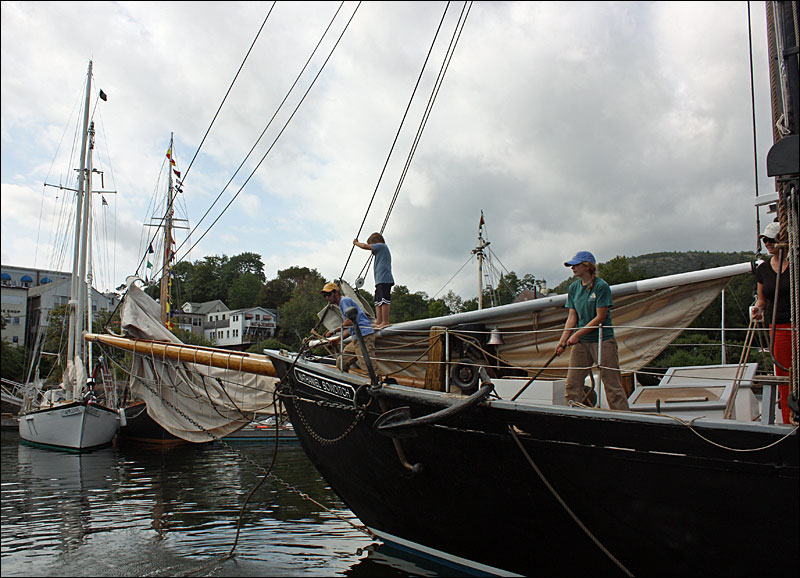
(77, 288)
(479, 252)
(87, 261)
(167, 243)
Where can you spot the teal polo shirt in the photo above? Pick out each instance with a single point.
(585, 301)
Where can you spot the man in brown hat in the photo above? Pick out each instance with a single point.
(333, 295)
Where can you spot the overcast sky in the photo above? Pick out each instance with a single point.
(621, 128)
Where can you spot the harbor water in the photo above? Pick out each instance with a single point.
(135, 511)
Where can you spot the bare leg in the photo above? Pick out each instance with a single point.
(382, 312)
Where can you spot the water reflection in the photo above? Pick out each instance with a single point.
(153, 512)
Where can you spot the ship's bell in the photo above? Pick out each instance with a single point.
(495, 337)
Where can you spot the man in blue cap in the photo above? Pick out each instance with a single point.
(589, 301)
(333, 295)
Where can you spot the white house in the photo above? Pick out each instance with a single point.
(44, 298)
(14, 311)
(240, 328)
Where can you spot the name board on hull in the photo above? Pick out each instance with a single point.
(341, 390)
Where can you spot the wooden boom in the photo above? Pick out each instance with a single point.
(234, 360)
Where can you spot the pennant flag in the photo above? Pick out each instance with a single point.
(149, 264)
(150, 250)
(177, 172)
(169, 154)
(104, 200)
(103, 95)
(481, 223)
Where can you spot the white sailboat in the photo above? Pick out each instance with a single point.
(69, 418)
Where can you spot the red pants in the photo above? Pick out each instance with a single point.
(783, 354)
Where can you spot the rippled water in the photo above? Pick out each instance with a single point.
(173, 512)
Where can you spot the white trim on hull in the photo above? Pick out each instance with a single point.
(72, 426)
(441, 557)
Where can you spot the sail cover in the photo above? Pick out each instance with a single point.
(648, 315)
(192, 401)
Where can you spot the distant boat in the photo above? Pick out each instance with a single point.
(70, 417)
(139, 426)
(264, 431)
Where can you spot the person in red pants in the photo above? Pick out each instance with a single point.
(772, 273)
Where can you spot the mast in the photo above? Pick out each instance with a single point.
(783, 161)
(167, 243)
(88, 259)
(78, 286)
(479, 252)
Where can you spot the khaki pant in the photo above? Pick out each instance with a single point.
(354, 347)
(581, 359)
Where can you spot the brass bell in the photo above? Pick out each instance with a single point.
(495, 338)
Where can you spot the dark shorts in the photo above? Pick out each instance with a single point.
(383, 294)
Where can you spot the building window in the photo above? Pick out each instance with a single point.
(15, 339)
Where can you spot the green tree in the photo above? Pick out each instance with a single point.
(437, 308)
(12, 364)
(453, 302)
(183, 282)
(619, 270)
(268, 344)
(243, 263)
(407, 306)
(244, 291)
(191, 338)
(275, 293)
(298, 315)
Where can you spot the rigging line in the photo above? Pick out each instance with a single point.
(269, 124)
(397, 135)
(453, 277)
(462, 18)
(753, 108)
(151, 208)
(114, 189)
(426, 115)
(285, 126)
(208, 130)
(58, 148)
(494, 255)
(229, 91)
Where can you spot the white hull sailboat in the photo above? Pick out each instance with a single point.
(77, 426)
(69, 418)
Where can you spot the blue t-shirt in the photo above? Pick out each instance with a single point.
(383, 263)
(585, 301)
(364, 324)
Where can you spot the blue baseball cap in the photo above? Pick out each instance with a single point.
(580, 257)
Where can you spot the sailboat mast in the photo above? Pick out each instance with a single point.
(83, 288)
(479, 252)
(87, 261)
(167, 243)
(75, 341)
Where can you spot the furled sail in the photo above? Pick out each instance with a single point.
(648, 315)
(192, 400)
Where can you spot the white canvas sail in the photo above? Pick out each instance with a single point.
(193, 401)
(648, 315)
